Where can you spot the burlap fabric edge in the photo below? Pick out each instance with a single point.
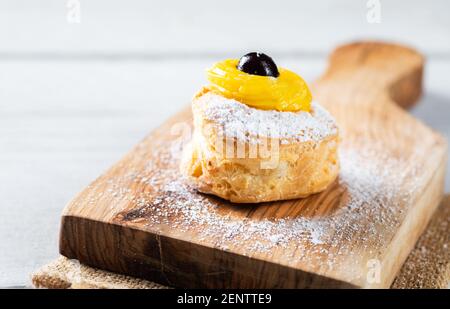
(427, 266)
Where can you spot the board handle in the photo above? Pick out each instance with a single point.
(368, 70)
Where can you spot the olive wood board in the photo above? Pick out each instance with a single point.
(141, 217)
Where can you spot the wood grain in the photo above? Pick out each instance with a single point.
(130, 220)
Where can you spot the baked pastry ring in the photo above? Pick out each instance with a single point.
(249, 155)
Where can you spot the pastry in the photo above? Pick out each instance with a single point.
(258, 136)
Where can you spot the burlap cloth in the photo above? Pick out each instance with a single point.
(427, 266)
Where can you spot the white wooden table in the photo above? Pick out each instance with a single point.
(74, 98)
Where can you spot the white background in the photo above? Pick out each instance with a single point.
(76, 97)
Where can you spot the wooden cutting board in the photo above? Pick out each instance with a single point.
(141, 218)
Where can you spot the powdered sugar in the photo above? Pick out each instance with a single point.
(366, 214)
(247, 124)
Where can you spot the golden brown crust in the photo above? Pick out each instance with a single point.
(253, 173)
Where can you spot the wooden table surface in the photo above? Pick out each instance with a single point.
(76, 97)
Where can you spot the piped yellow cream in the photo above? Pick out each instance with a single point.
(287, 92)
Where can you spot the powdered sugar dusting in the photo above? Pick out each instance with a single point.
(365, 218)
(246, 123)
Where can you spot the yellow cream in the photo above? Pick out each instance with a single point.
(287, 92)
